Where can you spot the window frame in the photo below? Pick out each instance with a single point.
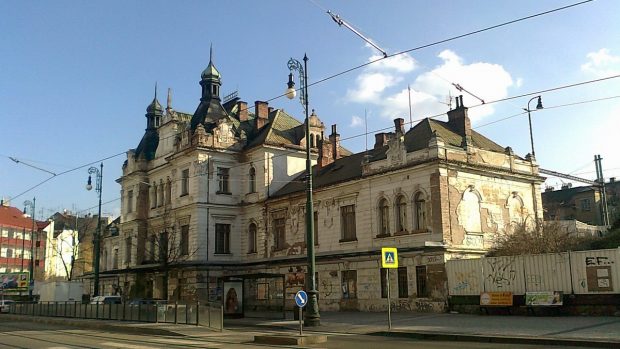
(252, 240)
(223, 180)
(383, 209)
(401, 213)
(279, 233)
(185, 182)
(421, 278)
(184, 240)
(348, 223)
(348, 278)
(222, 238)
(419, 207)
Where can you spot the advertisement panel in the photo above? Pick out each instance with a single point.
(496, 298)
(233, 301)
(543, 298)
(14, 281)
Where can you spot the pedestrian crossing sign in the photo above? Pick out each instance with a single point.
(389, 257)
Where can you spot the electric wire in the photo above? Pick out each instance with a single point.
(386, 57)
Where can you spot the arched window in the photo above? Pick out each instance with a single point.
(311, 141)
(419, 207)
(252, 238)
(252, 176)
(401, 213)
(384, 217)
(469, 211)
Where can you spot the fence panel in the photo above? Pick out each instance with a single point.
(464, 277)
(503, 274)
(547, 272)
(596, 271)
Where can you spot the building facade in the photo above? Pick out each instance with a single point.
(19, 247)
(213, 207)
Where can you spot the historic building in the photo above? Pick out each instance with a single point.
(22, 242)
(213, 207)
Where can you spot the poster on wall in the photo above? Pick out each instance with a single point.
(14, 281)
(233, 298)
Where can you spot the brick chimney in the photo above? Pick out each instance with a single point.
(329, 150)
(459, 121)
(242, 108)
(381, 139)
(261, 109)
(399, 126)
(334, 139)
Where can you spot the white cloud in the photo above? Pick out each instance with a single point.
(519, 82)
(370, 86)
(430, 89)
(601, 63)
(356, 121)
(402, 63)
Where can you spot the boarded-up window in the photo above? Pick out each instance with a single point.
(401, 213)
(419, 205)
(384, 217)
(347, 221)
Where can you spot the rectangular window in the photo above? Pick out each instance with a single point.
(128, 250)
(153, 248)
(115, 260)
(222, 238)
(349, 284)
(420, 280)
(347, 222)
(279, 233)
(403, 287)
(163, 246)
(184, 244)
(130, 201)
(585, 205)
(154, 196)
(185, 182)
(223, 177)
(383, 275)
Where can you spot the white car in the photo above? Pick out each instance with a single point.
(5, 305)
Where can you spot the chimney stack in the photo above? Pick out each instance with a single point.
(261, 109)
(459, 121)
(399, 126)
(381, 139)
(334, 139)
(242, 111)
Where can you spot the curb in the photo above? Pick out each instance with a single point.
(94, 324)
(499, 339)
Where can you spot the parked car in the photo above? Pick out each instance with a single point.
(106, 300)
(139, 302)
(5, 305)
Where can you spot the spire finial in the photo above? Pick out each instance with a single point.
(169, 100)
(211, 53)
(155, 90)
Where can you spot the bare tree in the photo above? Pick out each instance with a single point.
(551, 238)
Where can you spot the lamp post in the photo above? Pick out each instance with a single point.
(529, 118)
(533, 156)
(32, 206)
(313, 317)
(97, 237)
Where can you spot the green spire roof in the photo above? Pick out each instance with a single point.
(210, 72)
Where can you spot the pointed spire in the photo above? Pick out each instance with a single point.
(211, 53)
(155, 91)
(169, 99)
(154, 107)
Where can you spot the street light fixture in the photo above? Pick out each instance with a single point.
(529, 118)
(313, 318)
(32, 206)
(99, 176)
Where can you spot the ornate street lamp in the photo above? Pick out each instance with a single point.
(32, 206)
(99, 176)
(529, 118)
(313, 317)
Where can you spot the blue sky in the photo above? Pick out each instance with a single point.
(76, 76)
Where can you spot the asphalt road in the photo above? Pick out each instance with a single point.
(43, 336)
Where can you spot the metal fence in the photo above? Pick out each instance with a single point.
(580, 272)
(199, 314)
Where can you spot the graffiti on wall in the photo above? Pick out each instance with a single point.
(500, 272)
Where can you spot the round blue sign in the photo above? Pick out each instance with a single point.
(301, 298)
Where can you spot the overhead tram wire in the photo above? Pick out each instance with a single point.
(382, 58)
(389, 128)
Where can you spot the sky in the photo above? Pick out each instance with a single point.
(76, 77)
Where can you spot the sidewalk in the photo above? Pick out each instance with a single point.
(567, 330)
(546, 330)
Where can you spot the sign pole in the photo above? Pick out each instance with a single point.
(301, 323)
(387, 276)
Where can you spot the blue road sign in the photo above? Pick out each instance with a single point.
(301, 298)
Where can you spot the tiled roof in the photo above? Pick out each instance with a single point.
(417, 138)
(564, 195)
(14, 217)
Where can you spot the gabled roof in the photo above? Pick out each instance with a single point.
(14, 217)
(350, 167)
